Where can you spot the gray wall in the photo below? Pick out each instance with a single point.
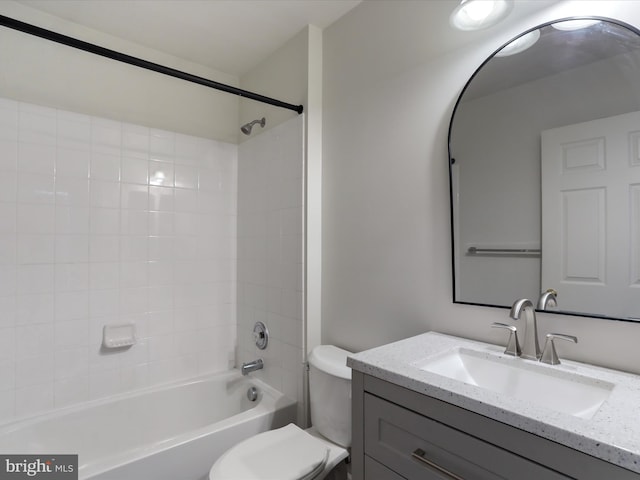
(386, 232)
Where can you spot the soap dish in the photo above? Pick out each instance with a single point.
(118, 336)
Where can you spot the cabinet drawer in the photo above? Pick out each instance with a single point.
(377, 471)
(416, 447)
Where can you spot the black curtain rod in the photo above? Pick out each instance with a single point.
(138, 62)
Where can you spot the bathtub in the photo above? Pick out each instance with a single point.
(173, 432)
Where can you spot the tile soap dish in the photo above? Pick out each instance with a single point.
(118, 336)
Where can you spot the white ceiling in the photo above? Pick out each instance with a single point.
(231, 36)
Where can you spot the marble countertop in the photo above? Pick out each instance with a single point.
(612, 434)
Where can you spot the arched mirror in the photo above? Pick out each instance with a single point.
(544, 148)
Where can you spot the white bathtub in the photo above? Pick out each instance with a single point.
(173, 432)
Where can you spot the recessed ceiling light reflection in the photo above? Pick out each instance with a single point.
(519, 44)
(158, 178)
(478, 14)
(574, 24)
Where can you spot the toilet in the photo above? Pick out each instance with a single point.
(291, 453)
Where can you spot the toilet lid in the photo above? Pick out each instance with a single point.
(288, 453)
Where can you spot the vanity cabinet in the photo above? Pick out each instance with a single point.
(401, 434)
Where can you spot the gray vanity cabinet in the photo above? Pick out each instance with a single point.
(401, 434)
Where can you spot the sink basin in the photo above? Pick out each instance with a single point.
(548, 387)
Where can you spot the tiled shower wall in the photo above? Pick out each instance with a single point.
(104, 223)
(270, 254)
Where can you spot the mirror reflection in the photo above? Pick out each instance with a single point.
(545, 172)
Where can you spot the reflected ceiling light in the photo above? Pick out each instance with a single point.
(520, 44)
(478, 14)
(574, 24)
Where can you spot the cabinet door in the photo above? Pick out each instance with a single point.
(417, 447)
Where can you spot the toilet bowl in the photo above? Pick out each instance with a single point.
(291, 453)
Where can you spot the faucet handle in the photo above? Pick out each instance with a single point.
(513, 346)
(549, 354)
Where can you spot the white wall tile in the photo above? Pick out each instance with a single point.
(134, 249)
(71, 391)
(36, 158)
(72, 333)
(8, 155)
(104, 384)
(35, 248)
(33, 400)
(37, 126)
(35, 188)
(104, 221)
(134, 300)
(35, 218)
(9, 120)
(72, 249)
(72, 163)
(160, 298)
(72, 306)
(160, 247)
(161, 223)
(7, 376)
(8, 218)
(161, 174)
(72, 191)
(89, 236)
(268, 230)
(162, 143)
(72, 220)
(105, 166)
(161, 199)
(104, 276)
(71, 277)
(74, 131)
(106, 136)
(160, 273)
(185, 200)
(7, 344)
(33, 279)
(32, 341)
(135, 170)
(8, 186)
(8, 289)
(186, 176)
(135, 140)
(104, 194)
(104, 303)
(134, 197)
(104, 248)
(134, 274)
(71, 362)
(160, 324)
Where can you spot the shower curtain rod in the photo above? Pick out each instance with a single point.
(138, 62)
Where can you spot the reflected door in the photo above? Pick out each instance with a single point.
(591, 215)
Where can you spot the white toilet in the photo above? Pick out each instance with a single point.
(290, 453)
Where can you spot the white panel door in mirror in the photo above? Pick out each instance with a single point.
(591, 217)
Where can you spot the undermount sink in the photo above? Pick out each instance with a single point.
(548, 387)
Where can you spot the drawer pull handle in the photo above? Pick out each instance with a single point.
(418, 454)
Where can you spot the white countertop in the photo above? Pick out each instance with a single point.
(612, 434)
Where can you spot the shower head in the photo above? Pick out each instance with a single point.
(246, 128)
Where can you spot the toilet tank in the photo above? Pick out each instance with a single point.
(330, 393)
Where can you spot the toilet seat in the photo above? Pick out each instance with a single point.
(287, 453)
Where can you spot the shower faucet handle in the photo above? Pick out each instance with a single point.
(513, 345)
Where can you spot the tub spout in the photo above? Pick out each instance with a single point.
(252, 366)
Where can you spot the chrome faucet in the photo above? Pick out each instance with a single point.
(548, 299)
(252, 366)
(530, 345)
